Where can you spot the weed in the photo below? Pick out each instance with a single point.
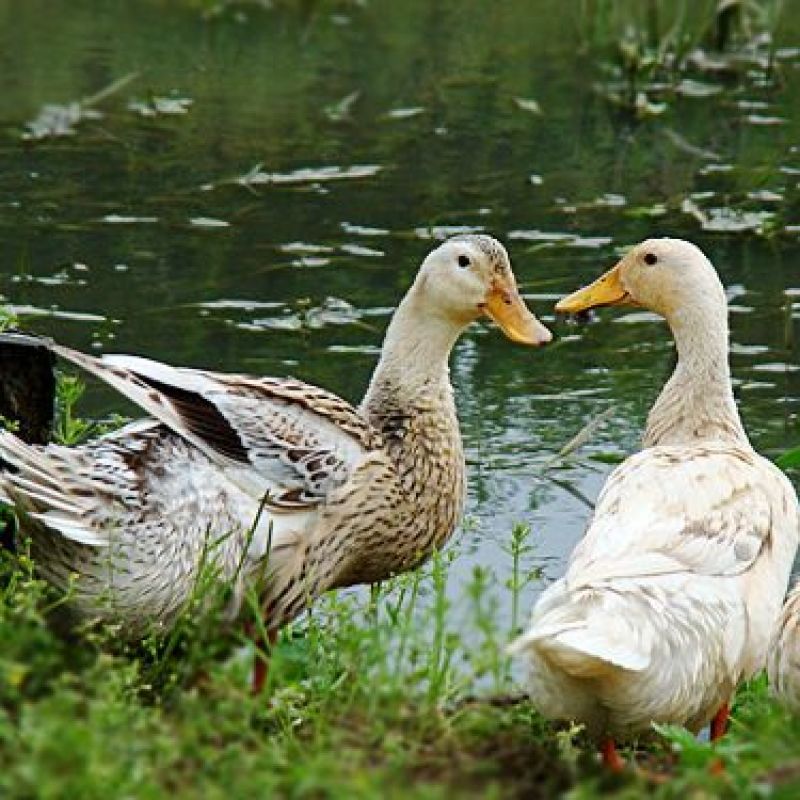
(646, 49)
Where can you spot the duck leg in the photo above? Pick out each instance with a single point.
(719, 724)
(261, 659)
(612, 760)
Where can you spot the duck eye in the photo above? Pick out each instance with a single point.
(650, 259)
(463, 261)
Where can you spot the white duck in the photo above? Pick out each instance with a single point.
(282, 486)
(669, 600)
(783, 664)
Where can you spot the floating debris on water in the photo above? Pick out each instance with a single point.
(527, 104)
(360, 250)
(712, 169)
(332, 311)
(763, 119)
(61, 278)
(239, 305)
(775, 366)
(738, 349)
(304, 248)
(56, 313)
(161, 106)
(546, 239)
(441, 232)
(363, 230)
(749, 386)
(258, 177)
(358, 349)
(123, 219)
(727, 220)
(734, 290)
(291, 322)
(405, 113)
(765, 196)
(752, 105)
(55, 121)
(608, 200)
(58, 121)
(208, 222)
(692, 88)
(342, 109)
(636, 317)
(310, 261)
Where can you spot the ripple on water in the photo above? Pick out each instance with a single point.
(257, 176)
(553, 239)
(738, 349)
(61, 278)
(126, 219)
(442, 232)
(332, 311)
(56, 313)
(775, 366)
(304, 248)
(243, 305)
(405, 113)
(361, 251)
(208, 223)
(363, 230)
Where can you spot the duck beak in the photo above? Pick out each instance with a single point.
(505, 306)
(607, 290)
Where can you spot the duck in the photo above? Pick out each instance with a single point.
(283, 487)
(668, 601)
(783, 664)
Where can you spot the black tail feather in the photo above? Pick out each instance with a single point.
(27, 385)
(27, 398)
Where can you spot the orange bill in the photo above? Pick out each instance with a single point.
(505, 306)
(607, 290)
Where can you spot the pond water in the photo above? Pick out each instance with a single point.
(134, 234)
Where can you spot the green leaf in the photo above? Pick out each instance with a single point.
(790, 459)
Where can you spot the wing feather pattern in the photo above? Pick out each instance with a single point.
(667, 511)
(296, 437)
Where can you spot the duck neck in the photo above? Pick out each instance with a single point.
(410, 400)
(697, 402)
(413, 366)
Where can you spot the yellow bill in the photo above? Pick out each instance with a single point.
(607, 290)
(505, 306)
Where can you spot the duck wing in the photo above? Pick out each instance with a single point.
(709, 509)
(668, 519)
(282, 439)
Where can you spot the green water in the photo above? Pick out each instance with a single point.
(131, 236)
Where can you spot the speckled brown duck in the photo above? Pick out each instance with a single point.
(285, 486)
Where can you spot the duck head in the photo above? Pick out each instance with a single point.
(469, 277)
(670, 277)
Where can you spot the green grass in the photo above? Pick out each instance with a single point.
(374, 695)
(367, 697)
(404, 690)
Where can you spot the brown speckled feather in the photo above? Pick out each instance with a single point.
(291, 489)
